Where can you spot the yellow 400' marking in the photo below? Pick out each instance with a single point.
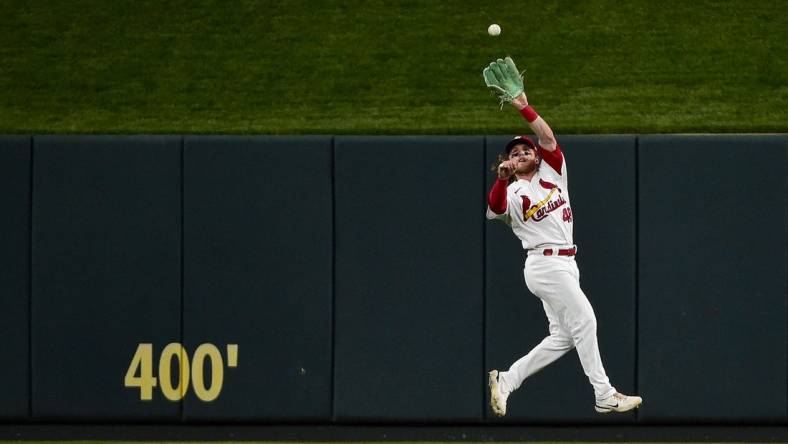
(142, 363)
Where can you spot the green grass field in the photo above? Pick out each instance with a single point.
(390, 67)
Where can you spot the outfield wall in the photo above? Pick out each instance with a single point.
(354, 280)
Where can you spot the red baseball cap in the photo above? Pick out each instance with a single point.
(519, 140)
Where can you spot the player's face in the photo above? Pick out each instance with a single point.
(526, 158)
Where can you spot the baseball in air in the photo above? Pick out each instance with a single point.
(494, 30)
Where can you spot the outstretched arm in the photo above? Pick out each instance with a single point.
(505, 81)
(536, 122)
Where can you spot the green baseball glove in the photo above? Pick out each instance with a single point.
(503, 79)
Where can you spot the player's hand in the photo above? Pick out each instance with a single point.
(506, 169)
(503, 79)
(520, 101)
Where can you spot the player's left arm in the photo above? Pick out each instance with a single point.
(538, 125)
(548, 146)
(505, 81)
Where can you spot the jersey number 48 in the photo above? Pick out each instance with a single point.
(567, 214)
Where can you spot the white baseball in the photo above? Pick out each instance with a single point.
(494, 30)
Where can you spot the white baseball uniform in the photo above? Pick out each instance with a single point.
(539, 213)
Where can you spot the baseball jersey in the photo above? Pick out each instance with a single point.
(538, 211)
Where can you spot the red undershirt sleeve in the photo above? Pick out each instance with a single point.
(553, 158)
(497, 197)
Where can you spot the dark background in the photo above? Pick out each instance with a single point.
(363, 285)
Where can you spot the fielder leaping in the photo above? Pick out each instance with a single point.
(531, 196)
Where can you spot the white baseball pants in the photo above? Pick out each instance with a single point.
(556, 281)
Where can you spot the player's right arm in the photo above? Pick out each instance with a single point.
(496, 200)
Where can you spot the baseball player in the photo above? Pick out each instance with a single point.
(531, 195)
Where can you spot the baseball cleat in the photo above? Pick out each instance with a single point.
(618, 403)
(497, 397)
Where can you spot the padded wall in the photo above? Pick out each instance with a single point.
(15, 275)
(367, 287)
(106, 272)
(601, 178)
(712, 278)
(409, 279)
(258, 273)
